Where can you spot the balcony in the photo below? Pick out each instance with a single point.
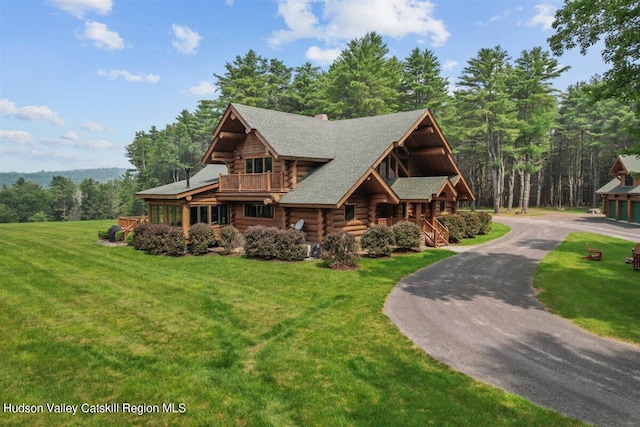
(252, 182)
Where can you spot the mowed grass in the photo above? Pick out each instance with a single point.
(601, 297)
(239, 342)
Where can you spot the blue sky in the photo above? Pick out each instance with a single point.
(78, 78)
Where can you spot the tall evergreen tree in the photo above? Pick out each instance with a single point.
(363, 81)
(422, 84)
(487, 111)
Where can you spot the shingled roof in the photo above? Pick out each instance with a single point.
(207, 177)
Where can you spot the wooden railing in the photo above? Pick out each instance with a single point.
(436, 236)
(129, 223)
(268, 181)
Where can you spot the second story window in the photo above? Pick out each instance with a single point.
(258, 165)
(628, 181)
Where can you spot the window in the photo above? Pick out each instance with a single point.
(175, 215)
(349, 212)
(443, 206)
(628, 181)
(258, 211)
(199, 214)
(404, 210)
(220, 215)
(157, 214)
(258, 165)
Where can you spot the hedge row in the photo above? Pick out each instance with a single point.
(466, 225)
(380, 240)
(159, 239)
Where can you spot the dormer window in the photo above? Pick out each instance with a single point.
(628, 181)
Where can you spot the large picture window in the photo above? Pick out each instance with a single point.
(175, 215)
(258, 211)
(258, 165)
(213, 215)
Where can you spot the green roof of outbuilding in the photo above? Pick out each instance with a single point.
(418, 188)
(207, 176)
(357, 144)
(614, 187)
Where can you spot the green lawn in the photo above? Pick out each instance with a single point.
(239, 342)
(497, 230)
(601, 297)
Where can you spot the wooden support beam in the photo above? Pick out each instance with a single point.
(222, 155)
(424, 131)
(231, 135)
(431, 151)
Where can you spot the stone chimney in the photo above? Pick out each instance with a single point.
(322, 117)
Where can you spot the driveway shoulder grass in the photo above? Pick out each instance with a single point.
(600, 296)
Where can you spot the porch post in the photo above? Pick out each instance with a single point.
(186, 219)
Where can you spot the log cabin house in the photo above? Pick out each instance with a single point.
(621, 195)
(271, 168)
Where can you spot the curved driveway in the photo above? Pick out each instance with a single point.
(477, 313)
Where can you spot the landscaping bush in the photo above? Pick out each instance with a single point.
(472, 224)
(230, 238)
(119, 236)
(140, 239)
(260, 242)
(130, 238)
(174, 241)
(340, 250)
(103, 234)
(455, 224)
(378, 241)
(291, 245)
(485, 222)
(158, 239)
(201, 236)
(407, 235)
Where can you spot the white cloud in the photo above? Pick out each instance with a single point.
(229, 2)
(79, 143)
(92, 126)
(322, 56)
(203, 88)
(69, 136)
(129, 77)
(347, 19)
(102, 37)
(18, 136)
(544, 17)
(78, 8)
(450, 65)
(30, 113)
(186, 40)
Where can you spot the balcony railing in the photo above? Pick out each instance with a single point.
(268, 181)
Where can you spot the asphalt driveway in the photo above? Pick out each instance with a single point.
(477, 313)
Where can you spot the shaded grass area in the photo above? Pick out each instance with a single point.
(239, 342)
(601, 297)
(497, 230)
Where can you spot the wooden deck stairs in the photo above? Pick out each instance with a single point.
(435, 236)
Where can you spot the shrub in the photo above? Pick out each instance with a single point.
(119, 236)
(340, 250)
(230, 238)
(260, 242)
(130, 238)
(378, 241)
(485, 222)
(407, 235)
(140, 239)
(103, 234)
(201, 237)
(455, 224)
(157, 239)
(472, 224)
(174, 242)
(291, 245)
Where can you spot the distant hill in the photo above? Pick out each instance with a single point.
(43, 178)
